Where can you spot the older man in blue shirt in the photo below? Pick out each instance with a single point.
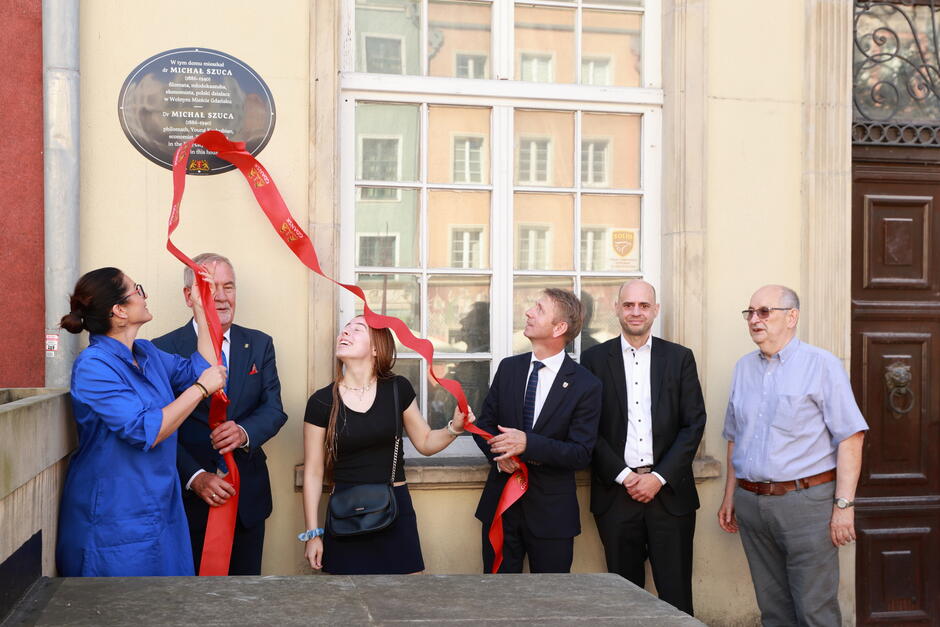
(794, 436)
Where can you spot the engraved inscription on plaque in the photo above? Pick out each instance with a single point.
(178, 94)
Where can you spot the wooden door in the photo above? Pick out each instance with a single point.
(896, 377)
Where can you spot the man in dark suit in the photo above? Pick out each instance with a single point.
(543, 408)
(254, 416)
(643, 493)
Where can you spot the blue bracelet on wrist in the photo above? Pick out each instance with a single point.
(310, 534)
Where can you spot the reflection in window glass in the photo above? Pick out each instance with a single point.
(458, 144)
(458, 38)
(610, 150)
(458, 229)
(544, 227)
(392, 295)
(599, 296)
(388, 36)
(459, 313)
(387, 232)
(474, 376)
(594, 162)
(603, 32)
(544, 142)
(525, 291)
(386, 142)
(545, 44)
(619, 218)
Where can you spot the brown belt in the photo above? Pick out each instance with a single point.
(779, 488)
(642, 470)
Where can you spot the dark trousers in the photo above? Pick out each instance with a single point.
(546, 555)
(247, 545)
(632, 531)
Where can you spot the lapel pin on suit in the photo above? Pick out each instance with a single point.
(246, 345)
(564, 384)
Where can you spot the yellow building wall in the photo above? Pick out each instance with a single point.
(125, 199)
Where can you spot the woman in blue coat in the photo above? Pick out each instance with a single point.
(122, 512)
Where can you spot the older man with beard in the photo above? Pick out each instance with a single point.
(794, 437)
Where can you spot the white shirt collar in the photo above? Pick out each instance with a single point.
(225, 336)
(625, 346)
(553, 363)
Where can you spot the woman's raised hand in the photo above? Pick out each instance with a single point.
(207, 273)
(213, 378)
(460, 420)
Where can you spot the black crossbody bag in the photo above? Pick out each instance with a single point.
(367, 507)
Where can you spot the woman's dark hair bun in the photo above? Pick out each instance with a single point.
(72, 322)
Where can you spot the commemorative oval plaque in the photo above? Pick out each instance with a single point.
(178, 94)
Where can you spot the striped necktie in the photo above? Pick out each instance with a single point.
(528, 405)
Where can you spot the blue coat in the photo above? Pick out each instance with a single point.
(121, 511)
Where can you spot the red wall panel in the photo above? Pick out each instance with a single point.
(21, 203)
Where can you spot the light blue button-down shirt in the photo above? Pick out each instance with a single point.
(788, 413)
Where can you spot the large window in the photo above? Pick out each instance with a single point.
(546, 175)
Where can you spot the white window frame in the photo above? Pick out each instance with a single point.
(479, 229)
(360, 167)
(608, 150)
(593, 59)
(549, 161)
(394, 236)
(454, 138)
(472, 54)
(389, 37)
(540, 55)
(504, 94)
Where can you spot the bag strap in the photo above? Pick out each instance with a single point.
(398, 421)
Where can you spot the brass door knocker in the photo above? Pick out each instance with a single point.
(898, 379)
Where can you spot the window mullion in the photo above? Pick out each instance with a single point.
(501, 134)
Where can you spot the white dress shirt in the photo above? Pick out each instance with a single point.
(546, 377)
(638, 450)
(226, 350)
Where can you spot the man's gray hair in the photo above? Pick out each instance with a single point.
(203, 259)
(788, 298)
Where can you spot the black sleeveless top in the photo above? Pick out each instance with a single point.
(366, 440)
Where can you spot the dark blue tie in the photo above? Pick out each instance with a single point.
(528, 405)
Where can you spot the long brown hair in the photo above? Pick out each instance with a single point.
(382, 364)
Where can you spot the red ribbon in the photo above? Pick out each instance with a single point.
(274, 207)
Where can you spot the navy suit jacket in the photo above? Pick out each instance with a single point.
(560, 443)
(678, 417)
(254, 393)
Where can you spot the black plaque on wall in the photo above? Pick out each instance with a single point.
(178, 94)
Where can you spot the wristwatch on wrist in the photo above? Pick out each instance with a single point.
(842, 503)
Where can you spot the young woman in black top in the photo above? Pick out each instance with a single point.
(349, 438)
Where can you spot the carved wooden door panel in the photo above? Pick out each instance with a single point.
(896, 377)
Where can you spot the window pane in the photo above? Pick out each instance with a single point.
(610, 229)
(387, 227)
(610, 150)
(459, 313)
(387, 142)
(545, 48)
(599, 296)
(525, 291)
(459, 39)
(611, 48)
(458, 229)
(413, 370)
(544, 231)
(393, 295)
(458, 144)
(544, 142)
(474, 377)
(388, 36)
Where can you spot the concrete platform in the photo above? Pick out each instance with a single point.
(597, 599)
